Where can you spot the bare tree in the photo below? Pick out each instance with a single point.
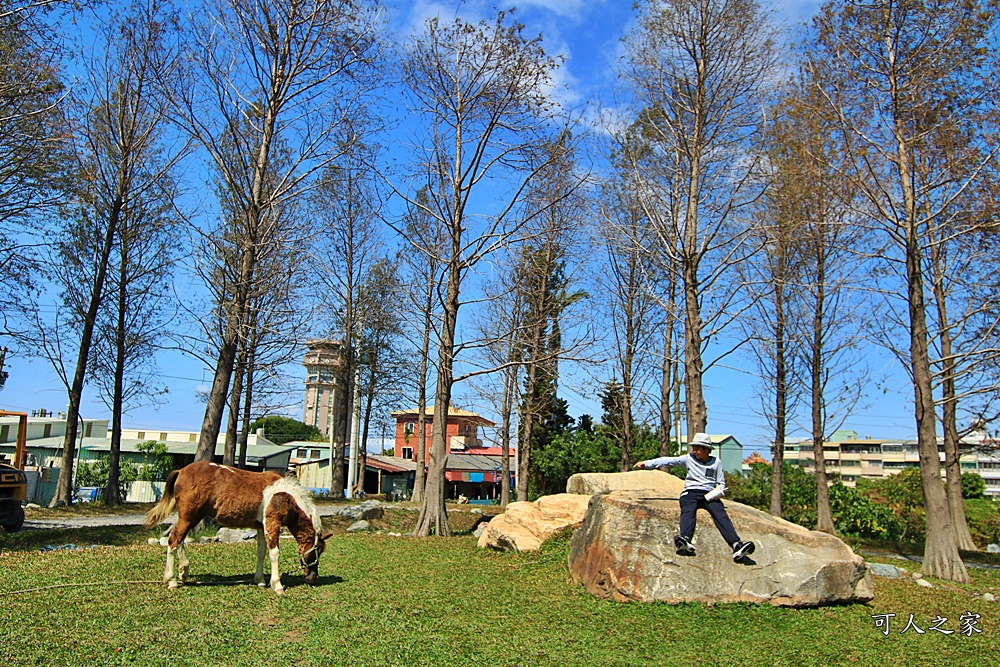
(500, 327)
(697, 70)
(899, 76)
(480, 89)
(346, 205)
(35, 152)
(813, 273)
(125, 167)
(424, 260)
(544, 282)
(268, 80)
(775, 276)
(629, 282)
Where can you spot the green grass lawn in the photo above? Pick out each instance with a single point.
(438, 601)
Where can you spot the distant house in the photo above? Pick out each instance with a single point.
(853, 458)
(461, 429)
(45, 444)
(729, 450)
(388, 475)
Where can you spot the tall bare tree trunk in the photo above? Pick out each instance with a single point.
(949, 409)
(64, 485)
(941, 557)
(433, 516)
(697, 411)
(780, 399)
(112, 495)
(665, 417)
(425, 351)
(824, 519)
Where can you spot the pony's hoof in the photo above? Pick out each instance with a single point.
(279, 590)
(172, 585)
(261, 584)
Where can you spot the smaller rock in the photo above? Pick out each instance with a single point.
(153, 542)
(476, 511)
(993, 548)
(917, 575)
(989, 597)
(480, 529)
(394, 534)
(233, 535)
(358, 526)
(883, 570)
(903, 571)
(32, 506)
(924, 583)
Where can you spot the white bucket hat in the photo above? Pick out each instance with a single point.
(701, 440)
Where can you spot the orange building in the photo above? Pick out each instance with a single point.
(462, 431)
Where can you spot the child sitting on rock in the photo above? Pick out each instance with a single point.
(704, 485)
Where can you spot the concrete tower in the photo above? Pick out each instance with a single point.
(325, 383)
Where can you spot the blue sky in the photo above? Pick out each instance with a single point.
(587, 34)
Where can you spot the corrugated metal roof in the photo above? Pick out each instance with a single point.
(473, 462)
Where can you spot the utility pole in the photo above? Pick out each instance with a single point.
(3, 373)
(352, 467)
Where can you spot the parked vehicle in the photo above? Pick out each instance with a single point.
(13, 481)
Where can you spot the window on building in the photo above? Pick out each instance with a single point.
(47, 430)
(327, 375)
(163, 436)
(4, 432)
(315, 453)
(300, 453)
(408, 453)
(408, 428)
(141, 435)
(193, 437)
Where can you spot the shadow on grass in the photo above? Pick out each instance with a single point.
(288, 581)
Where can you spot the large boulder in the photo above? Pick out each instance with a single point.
(625, 551)
(525, 526)
(589, 483)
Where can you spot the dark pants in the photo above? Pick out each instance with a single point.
(691, 501)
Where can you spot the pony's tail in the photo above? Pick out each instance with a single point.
(162, 509)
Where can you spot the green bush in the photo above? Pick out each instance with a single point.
(97, 472)
(798, 492)
(157, 462)
(855, 515)
(904, 494)
(983, 517)
(973, 486)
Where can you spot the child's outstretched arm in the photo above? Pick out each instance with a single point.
(662, 462)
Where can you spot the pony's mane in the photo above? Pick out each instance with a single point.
(299, 495)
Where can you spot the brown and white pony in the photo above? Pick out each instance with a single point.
(240, 499)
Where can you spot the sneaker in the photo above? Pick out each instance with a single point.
(741, 549)
(684, 546)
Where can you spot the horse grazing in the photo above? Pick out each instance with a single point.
(240, 499)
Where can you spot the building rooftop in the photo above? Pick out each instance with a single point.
(452, 412)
